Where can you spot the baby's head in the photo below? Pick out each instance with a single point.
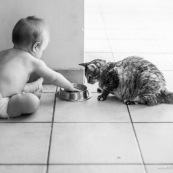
(31, 34)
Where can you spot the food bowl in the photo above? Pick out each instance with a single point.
(82, 95)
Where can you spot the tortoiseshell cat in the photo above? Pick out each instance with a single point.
(132, 80)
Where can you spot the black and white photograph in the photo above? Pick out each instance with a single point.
(86, 86)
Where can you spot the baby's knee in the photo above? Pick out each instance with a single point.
(23, 104)
(30, 103)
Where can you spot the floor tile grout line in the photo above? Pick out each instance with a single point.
(95, 164)
(100, 164)
(157, 122)
(51, 132)
(79, 164)
(91, 122)
(39, 122)
(140, 151)
(114, 122)
(23, 164)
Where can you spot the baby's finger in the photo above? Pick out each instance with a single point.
(75, 89)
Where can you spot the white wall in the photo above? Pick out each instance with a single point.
(65, 18)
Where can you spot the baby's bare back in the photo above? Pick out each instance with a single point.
(14, 71)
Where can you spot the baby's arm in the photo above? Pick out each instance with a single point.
(53, 77)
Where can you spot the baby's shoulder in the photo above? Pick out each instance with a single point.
(26, 57)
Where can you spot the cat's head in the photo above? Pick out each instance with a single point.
(92, 70)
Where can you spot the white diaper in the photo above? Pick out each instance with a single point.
(3, 107)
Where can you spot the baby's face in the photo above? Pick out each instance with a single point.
(40, 50)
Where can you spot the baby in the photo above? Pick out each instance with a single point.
(30, 37)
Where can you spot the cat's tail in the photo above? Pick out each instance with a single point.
(166, 97)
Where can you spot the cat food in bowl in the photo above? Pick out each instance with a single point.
(82, 95)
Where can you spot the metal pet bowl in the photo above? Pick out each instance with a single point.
(82, 95)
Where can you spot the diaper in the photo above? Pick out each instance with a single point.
(3, 107)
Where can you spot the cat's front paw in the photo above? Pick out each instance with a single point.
(128, 102)
(101, 98)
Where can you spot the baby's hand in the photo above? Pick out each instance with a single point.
(75, 89)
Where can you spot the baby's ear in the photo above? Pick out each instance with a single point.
(84, 64)
(35, 46)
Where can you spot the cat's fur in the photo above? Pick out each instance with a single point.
(133, 80)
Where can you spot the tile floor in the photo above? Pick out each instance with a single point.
(101, 137)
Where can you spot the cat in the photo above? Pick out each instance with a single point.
(133, 80)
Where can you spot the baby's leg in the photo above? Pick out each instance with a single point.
(22, 104)
(34, 87)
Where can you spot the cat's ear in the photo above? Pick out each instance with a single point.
(92, 67)
(84, 64)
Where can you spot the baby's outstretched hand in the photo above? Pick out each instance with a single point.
(74, 90)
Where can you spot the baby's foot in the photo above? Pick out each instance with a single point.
(39, 90)
(34, 87)
(38, 94)
(40, 85)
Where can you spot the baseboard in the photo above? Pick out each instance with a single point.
(74, 75)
